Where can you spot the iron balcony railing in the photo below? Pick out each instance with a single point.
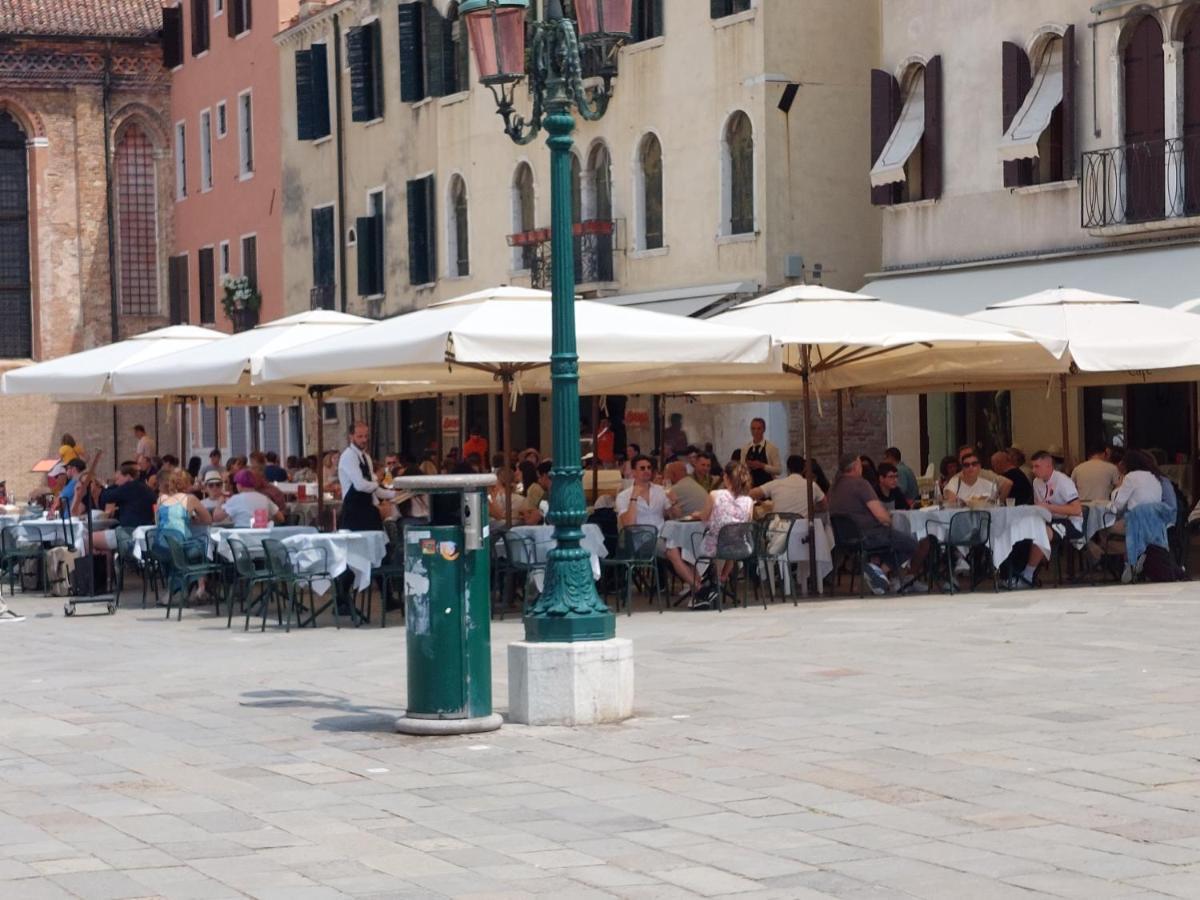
(1144, 182)
(592, 251)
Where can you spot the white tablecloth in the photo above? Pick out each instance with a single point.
(218, 538)
(292, 488)
(677, 535)
(1010, 524)
(1098, 517)
(798, 552)
(356, 551)
(543, 542)
(55, 530)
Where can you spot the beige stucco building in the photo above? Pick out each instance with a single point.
(729, 162)
(1109, 95)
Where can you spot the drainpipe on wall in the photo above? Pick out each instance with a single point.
(111, 218)
(341, 162)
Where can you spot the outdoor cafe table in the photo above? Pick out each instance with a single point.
(354, 551)
(542, 537)
(55, 531)
(252, 537)
(1010, 524)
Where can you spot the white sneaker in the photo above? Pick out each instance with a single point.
(962, 567)
(877, 580)
(7, 615)
(1127, 575)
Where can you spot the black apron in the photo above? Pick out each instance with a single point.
(757, 454)
(359, 512)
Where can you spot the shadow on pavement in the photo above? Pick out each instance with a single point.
(357, 718)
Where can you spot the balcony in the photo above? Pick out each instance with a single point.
(592, 251)
(1136, 186)
(321, 296)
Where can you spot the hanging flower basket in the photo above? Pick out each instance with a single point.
(241, 302)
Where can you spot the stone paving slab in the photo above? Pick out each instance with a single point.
(982, 746)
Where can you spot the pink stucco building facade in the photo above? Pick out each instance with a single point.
(225, 135)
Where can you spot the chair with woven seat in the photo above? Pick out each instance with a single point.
(185, 571)
(971, 532)
(850, 542)
(736, 543)
(521, 563)
(15, 552)
(245, 577)
(636, 554)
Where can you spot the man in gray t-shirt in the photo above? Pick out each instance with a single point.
(690, 497)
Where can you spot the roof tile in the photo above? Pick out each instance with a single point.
(81, 18)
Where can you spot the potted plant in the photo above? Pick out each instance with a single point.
(241, 302)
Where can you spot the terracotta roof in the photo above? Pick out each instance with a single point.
(82, 18)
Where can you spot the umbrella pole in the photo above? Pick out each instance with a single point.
(506, 382)
(808, 475)
(841, 426)
(1066, 422)
(320, 398)
(595, 447)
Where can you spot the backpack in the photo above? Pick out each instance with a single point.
(60, 564)
(1158, 565)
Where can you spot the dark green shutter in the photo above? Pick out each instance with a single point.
(422, 250)
(436, 31)
(933, 147)
(412, 63)
(172, 36)
(320, 91)
(375, 36)
(1015, 81)
(1068, 104)
(304, 95)
(368, 268)
(462, 56)
(357, 58)
(207, 275)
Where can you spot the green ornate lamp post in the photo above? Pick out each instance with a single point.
(569, 608)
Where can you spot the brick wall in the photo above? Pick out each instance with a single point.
(864, 429)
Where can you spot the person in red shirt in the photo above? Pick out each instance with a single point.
(476, 444)
(604, 442)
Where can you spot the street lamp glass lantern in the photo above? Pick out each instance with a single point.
(605, 18)
(497, 29)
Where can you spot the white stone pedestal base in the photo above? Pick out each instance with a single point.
(583, 683)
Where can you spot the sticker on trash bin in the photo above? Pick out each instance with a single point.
(449, 550)
(428, 547)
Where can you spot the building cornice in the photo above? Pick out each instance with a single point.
(317, 22)
(43, 64)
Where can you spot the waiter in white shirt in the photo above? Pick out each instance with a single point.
(359, 488)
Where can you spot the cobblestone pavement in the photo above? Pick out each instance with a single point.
(985, 746)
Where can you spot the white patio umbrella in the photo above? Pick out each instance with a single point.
(833, 336)
(503, 335)
(1187, 306)
(88, 375)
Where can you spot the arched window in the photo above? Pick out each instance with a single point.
(650, 194)
(597, 187)
(738, 175)
(137, 223)
(458, 247)
(1145, 152)
(16, 318)
(523, 216)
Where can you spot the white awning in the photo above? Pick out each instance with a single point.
(1033, 118)
(1162, 276)
(889, 168)
(686, 301)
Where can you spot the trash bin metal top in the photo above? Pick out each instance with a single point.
(427, 484)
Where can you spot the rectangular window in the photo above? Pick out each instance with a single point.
(647, 19)
(370, 247)
(206, 159)
(222, 120)
(324, 271)
(250, 258)
(204, 262)
(239, 16)
(422, 243)
(718, 9)
(434, 53)
(364, 57)
(218, 7)
(312, 94)
(199, 27)
(224, 258)
(177, 289)
(172, 36)
(245, 135)
(180, 160)
(208, 424)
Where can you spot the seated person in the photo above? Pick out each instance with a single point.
(1139, 484)
(947, 469)
(790, 494)
(1055, 492)
(266, 488)
(538, 492)
(1096, 477)
(240, 508)
(500, 495)
(852, 496)
(969, 484)
(178, 509)
(689, 495)
(129, 500)
(273, 471)
(889, 488)
(66, 497)
(645, 503)
(731, 504)
(214, 491)
(1021, 490)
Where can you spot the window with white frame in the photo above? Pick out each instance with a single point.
(223, 258)
(206, 157)
(597, 185)
(218, 7)
(222, 120)
(245, 135)
(180, 160)
(737, 176)
(650, 194)
(458, 251)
